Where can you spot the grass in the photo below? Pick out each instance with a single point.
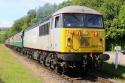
(109, 71)
(11, 71)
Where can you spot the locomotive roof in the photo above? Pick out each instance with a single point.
(68, 9)
(76, 9)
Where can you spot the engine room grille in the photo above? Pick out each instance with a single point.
(85, 41)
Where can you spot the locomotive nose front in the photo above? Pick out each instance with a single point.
(81, 40)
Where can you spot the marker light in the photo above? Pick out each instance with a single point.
(72, 32)
(79, 33)
(95, 34)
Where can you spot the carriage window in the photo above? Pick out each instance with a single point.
(57, 22)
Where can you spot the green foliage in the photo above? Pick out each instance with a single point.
(121, 17)
(45, 11)
(2, 35)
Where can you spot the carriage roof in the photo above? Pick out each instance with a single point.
(76, 9)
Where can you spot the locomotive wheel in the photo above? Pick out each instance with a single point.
(53, 62)
(42, 59)
(29, 56)
(98, 64)
(52, 66)
(47, 61)
(58, 69)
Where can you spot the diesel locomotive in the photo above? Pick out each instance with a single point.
(72, 37)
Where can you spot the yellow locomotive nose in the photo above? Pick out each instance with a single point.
(82, 40)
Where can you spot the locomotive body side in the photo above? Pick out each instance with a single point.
(34, 39)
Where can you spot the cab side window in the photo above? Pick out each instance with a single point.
(57, 22)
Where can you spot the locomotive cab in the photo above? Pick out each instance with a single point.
(83, 33)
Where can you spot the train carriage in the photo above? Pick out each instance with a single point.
(16, 41)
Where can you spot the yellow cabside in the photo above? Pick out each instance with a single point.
(82, 40)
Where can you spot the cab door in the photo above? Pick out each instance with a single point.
(55, 24)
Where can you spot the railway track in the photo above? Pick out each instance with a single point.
(73, 77)
(88, 78)
(100, 79)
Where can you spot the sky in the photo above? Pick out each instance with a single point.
(11, 10)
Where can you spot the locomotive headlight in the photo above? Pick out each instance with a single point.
(79, 33)
(71, 32)
(101, 42)
(68, 42)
